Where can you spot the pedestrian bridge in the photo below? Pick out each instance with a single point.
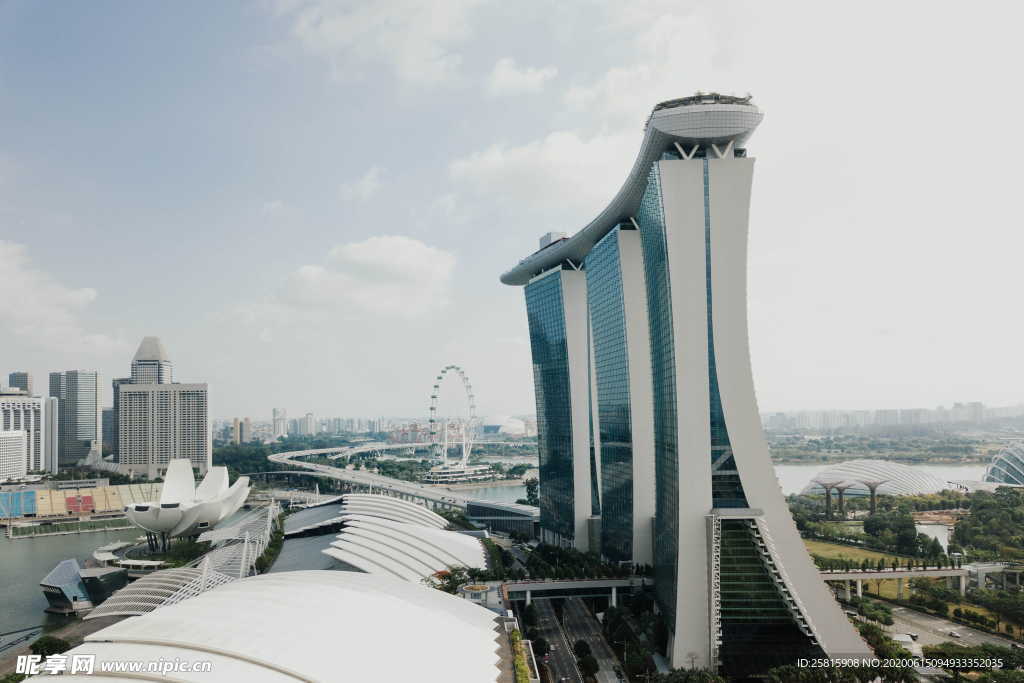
(959, 577)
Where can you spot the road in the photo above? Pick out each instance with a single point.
(580, 624)
(934, 630)
(561, 662)
(363, 478)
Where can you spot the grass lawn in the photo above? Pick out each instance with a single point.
(837, 552)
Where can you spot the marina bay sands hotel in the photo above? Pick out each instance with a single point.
(651, 448)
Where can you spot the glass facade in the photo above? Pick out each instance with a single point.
(546, 313)
(726, 488)
(758, 631)
(608, 329)
(651, 219)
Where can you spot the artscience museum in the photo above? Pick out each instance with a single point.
(185, 509)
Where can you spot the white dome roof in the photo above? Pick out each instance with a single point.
(892, 478)
(314, 626)
(1008, 466)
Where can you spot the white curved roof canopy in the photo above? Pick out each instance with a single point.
(285, 627)
(895, 479)
(699, 120)
(394, 509)
(1008, 466)
(406, 551)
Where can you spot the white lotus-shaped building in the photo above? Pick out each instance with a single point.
(186, 509)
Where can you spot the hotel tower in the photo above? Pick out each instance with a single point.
(651, 449)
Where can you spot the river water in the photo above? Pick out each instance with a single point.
(24, 562)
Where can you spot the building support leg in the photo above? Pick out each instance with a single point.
(846, 589)
(529, 597)
(860, 588)
(899, 589)
(614, 597)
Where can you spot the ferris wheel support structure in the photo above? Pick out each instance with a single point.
(441, 449)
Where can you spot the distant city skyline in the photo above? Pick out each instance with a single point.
(290, 206)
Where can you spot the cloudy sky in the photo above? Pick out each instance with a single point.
(311, 202)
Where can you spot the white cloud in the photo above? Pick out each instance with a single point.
(363, 188)
(273, 207)
(508, 79)
(564, 170)
(388, 276)
(37, 308)
(415, 39)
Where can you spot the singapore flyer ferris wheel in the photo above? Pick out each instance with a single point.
(444, 429)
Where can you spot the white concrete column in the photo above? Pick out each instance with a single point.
(529, 597)
(614, 596)
(846, 589)
(860, 588)
(899, 589)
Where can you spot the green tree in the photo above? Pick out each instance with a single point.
(50, 645)
(581, 648)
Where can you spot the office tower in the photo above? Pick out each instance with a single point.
(151, 364)
(51, 434)
(109, 422)
(21, 412)
(20, 380)
(159, 420)
(657, 284)
(236, 431)
(78, 407)
(246, 430)
(13, 458)
(280, 423)
(113, 438)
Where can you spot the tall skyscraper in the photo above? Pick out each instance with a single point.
(236, 431)
(159, 420)
(20, 380)
(246, 434)
(644, 393)
(114, 438)
(78, 408)
(280, 425)
(151, 364)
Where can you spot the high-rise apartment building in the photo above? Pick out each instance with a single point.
(236, 431)
(644, 393)
(79, 427)
(159, 420)
(20, 380)
(32, 415)
(13, 448)
(246, 434)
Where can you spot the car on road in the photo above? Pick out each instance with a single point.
(913, 636)
(954, 634)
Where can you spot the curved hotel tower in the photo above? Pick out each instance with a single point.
(651, 449)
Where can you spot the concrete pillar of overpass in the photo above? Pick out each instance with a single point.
(899, 589)
(529, 597)
(860, 588)
(846, 589)
(963, 585)
(614, 596)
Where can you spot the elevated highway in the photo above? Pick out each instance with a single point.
(373, 483)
